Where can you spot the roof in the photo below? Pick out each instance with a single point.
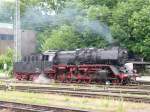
(6, 25)
(139, 62)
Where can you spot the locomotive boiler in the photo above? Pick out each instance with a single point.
(114, 56)
(80, 65)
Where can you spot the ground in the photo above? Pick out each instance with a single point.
(104, 105)
(3, 75)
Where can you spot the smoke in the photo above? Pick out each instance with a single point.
(42, 79)
(97, 28)
(36, 17)
(39, 17)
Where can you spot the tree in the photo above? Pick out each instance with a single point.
(55, 5)
(67, 38)
(128, 20)
(62, 38)
(7, 58)
(130, 25)
(90, 39)
(101, 13)
(140, 23)
(6, 12)
(108, 3)
(39, 14)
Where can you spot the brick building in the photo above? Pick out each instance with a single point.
(28, 39)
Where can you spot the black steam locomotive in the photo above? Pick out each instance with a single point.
(80, 65)
(112, 56)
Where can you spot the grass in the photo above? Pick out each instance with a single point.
(105, 105)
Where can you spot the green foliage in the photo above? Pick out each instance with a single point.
(108, 3)
(101, 13)
(7, 58)
(6, 12)
(140, 23)
(130, 25)
(62, 38)
(90, 39)
(41, 37)
(128, 20)
(55, 5)
(67, 38)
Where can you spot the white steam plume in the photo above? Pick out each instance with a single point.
(41, 17)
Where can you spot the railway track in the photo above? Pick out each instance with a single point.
(114, 96)
(133, 96)
(130, 86)
(130, 89)
(21, 107)
(102, 89)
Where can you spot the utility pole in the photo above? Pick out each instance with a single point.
(17, 39)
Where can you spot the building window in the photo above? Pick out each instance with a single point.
(6, 37)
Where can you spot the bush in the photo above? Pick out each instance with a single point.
(6, 58)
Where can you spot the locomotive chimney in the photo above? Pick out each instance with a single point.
(115, 43)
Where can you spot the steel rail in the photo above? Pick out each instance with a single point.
(130, 86)
(37, 108)
(104, 89)
(114, 96)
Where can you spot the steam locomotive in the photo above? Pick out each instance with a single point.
(88, 65)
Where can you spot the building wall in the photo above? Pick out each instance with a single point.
(28, 41)
(4, 43)
(6, 31)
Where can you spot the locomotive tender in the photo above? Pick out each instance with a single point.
(80, 65)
